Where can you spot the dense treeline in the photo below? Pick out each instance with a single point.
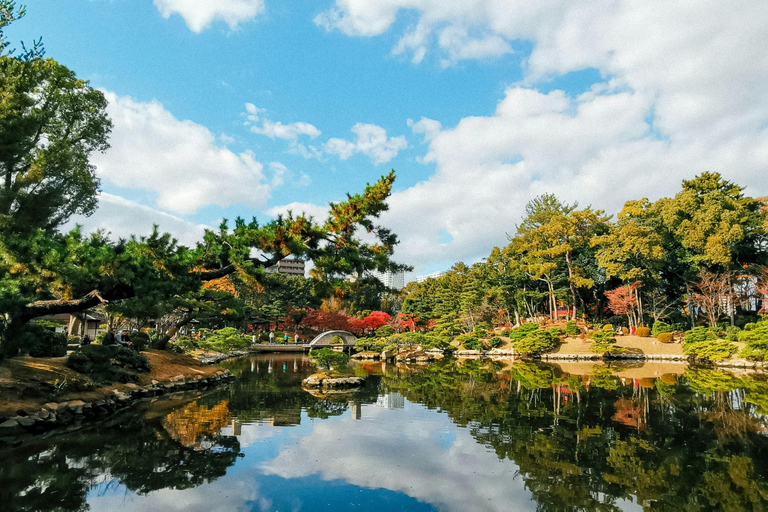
(697, 257)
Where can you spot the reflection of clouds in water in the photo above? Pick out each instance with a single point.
(411, 457)
(249, 433)
(223, 495)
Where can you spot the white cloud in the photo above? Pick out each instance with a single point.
(178, 160)
(694, 70)
(318, 212)
(198, 14)
(278, 173)
(370, 140)
(456, 476)
(276, 129)
(595, 149)
(425, 126)
(122, 218)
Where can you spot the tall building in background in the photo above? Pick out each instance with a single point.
(394, 280)
(433, 275)
(289, 267)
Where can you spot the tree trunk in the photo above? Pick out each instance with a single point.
(570, 281)
(162, 340)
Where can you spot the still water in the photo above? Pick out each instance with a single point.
(454, 435)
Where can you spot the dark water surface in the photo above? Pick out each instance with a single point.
(460, 436)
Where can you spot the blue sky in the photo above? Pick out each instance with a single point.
(249, 107)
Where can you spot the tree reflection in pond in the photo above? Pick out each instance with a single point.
(137, 452)
(587, 442)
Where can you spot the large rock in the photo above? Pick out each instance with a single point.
(321, 380)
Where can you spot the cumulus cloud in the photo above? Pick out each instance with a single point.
(682, 95)
(199, 14)
(370, 140)
(259, 123)
(456, 476)
(178, 160)
(597, 149)
(122, 218)
(318, 212)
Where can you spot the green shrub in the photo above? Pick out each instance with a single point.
(495, 342)
(523, 331)
(140, 341)
(384, 331)
(750, 326)
(659, 327)
(187, 343)
(43, 342)
(108, 363)
(643, 332)
(557, 331)
(473, 344)
(607, 327)
(336, 340)
(602, 336)
(432, 341)
(717, 350)
(756, 340)
(699, 334)
(481, 332)
(224, 340)
(328, 358)
(463, 338)
(536, 342)
(606, 348)
(665, 337)
(571, 329)
(732, 333)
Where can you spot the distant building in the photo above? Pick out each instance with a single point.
(392, 400)
(289, 267)
(394, 280)
(433, 275)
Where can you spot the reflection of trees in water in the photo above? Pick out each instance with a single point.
(193, 424)
(58, 474)
(584, 443)
(264, 392)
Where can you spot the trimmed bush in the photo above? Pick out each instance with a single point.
(571, 329)
(43, 342)
(384, 331)
(336, 340)
(140, 341)
(732, 333)
(665, 337)
(473, 344)
(602, 336)
(536, 342)
(106, 364)
(660, 327)
(699, 334)
(523, 331)
(607, 327)
(717, 350)
(495, 342)
(750, 326)
(643, 332)
(756, 340)
(328, 358)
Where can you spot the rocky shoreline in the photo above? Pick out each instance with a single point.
(71, 415)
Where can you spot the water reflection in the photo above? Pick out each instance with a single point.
(455, 435)
(131, 451)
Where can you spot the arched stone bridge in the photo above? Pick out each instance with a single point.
(324, 339)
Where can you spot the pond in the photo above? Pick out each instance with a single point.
(454, 435)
